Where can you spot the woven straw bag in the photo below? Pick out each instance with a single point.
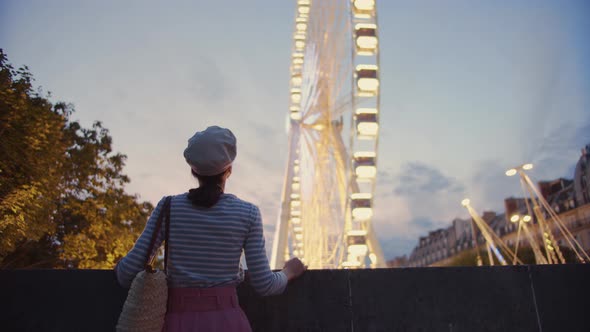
(145, 307)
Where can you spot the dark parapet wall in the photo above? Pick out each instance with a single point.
(511, 298)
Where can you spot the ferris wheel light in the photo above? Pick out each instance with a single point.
(351, 263)
(368, 128)
(358, 249)
(296, 80)
(299, 236)
(299, 44)
(303, 10)
(296, 97)
(362, 213)
(366, 124)
(357, 232)
(301, 27)
(366, 172)
(297, 229)
(361, 196)
(366, 111)
(364, 5)
(366, 38)
(368, 84)
(295, 220)
(295, 213)
(303, 2)
(367, 43)
(364, 154)
(367, 80)
(295, 186)
(298, 61)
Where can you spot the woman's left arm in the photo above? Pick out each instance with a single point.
(130, 265)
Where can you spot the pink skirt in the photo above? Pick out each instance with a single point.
(205, 309)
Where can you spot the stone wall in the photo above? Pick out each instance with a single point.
(510, 298)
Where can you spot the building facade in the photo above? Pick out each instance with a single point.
(569, 199)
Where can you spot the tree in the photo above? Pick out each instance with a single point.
(62, 197)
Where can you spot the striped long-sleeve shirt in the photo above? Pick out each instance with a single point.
(206, 245)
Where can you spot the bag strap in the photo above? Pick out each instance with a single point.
(167, 233)
(164, 213)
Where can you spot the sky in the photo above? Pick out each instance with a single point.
(468, 90)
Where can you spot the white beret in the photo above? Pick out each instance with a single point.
(212, 151)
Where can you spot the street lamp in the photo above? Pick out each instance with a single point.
(513, 171)
(523, 220)
(520, 220)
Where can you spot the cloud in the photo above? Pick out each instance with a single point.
(412, 202)
(417, 178)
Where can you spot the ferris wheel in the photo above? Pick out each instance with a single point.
(333, 125)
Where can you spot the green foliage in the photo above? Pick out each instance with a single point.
(62, 198)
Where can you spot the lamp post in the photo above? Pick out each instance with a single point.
(554, 255)
(487, 233)
(523, 221)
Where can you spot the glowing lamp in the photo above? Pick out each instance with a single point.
(527, 167)
(367, 81)
(361, 208)
(526, 218)
(364, 4)
(366, 172)
(296, 116)
(364, 167)
(296, 80)
(511, 172)
(465, 202)
(351, 264)
(299, 44)
(303, 10)
(366, 124)
(366, 38)
(362, 213)
(358, 250)
(514, 218)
